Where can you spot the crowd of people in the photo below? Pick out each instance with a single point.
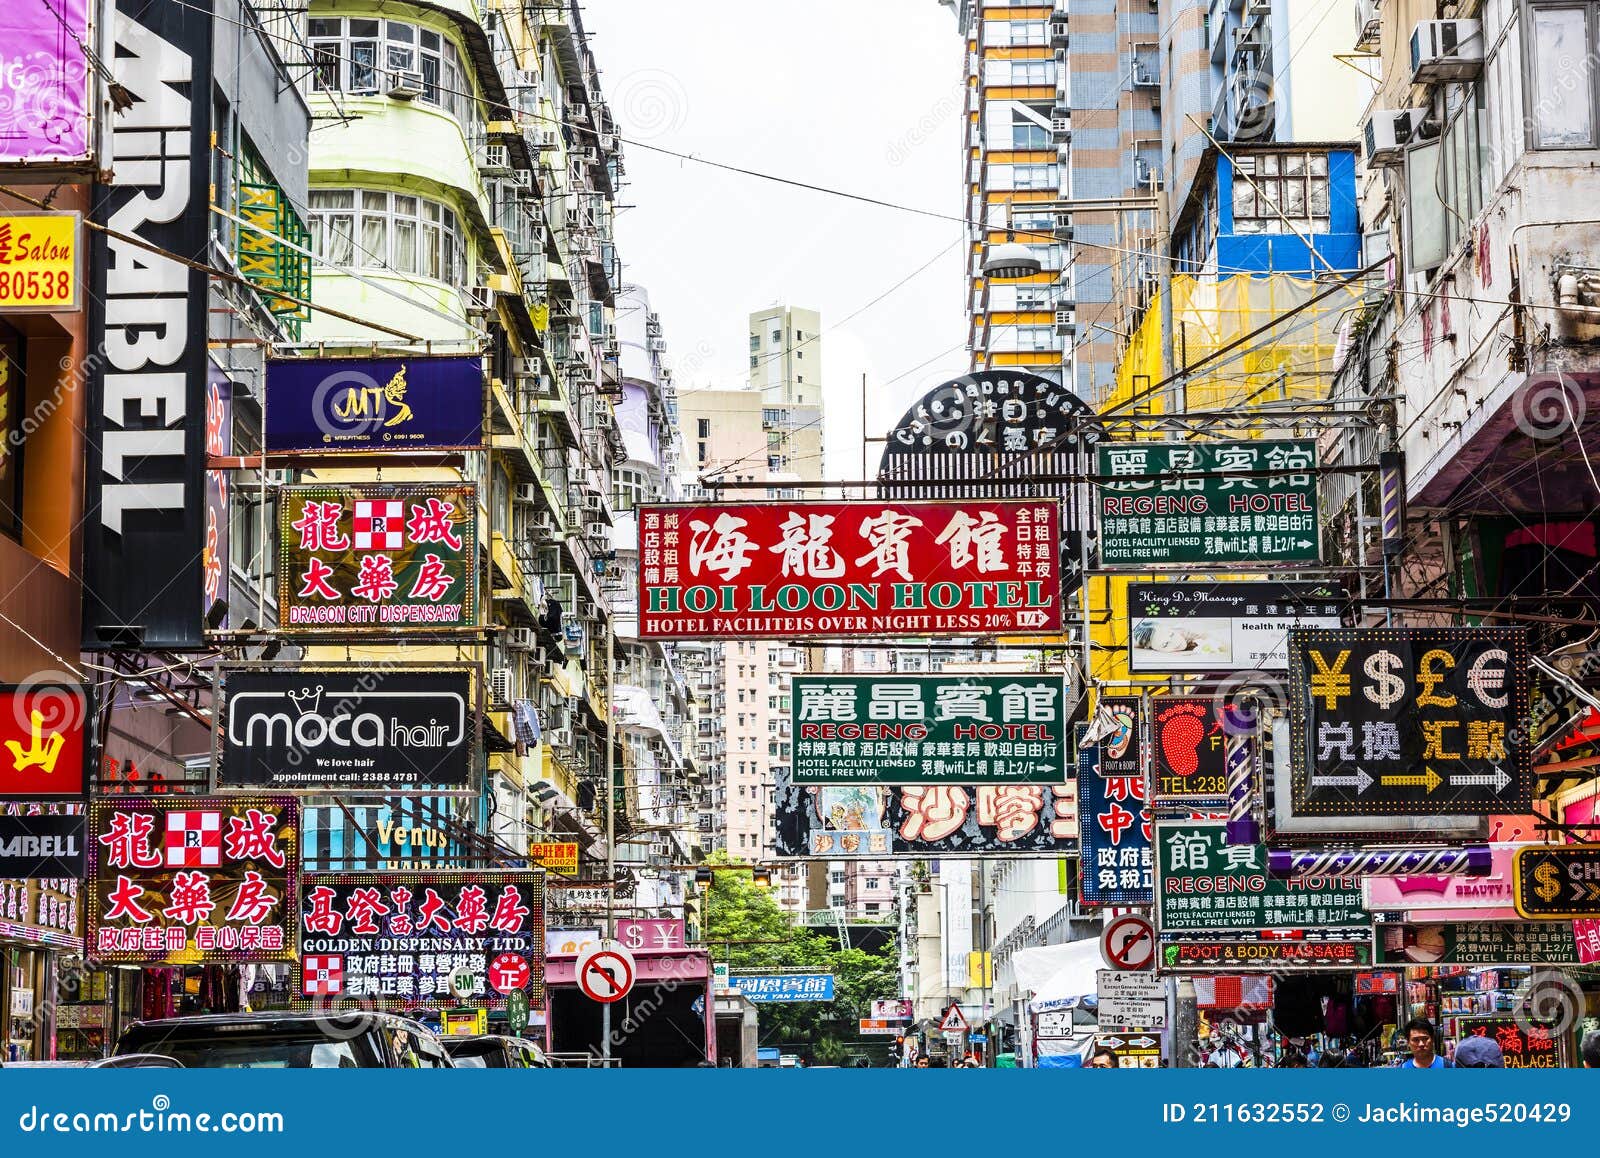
(1424, 1047)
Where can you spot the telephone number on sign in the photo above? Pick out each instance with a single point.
(33, 286)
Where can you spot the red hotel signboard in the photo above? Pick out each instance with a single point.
(876, 569)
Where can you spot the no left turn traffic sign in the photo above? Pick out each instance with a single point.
(605, 972)
(1129, 943)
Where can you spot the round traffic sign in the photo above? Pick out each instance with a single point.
(463, 982)
(605, 972)
(509, 972)
(1129, 943)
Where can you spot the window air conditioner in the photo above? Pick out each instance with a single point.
(1446, 50)
(1387, 133)
(500, 685)
(520, 639)
(405, 86)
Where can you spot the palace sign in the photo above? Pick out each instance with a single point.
(823, 569)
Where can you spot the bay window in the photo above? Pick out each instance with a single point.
(374, 229)
(363, 56)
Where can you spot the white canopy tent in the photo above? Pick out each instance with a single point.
(1060, 976)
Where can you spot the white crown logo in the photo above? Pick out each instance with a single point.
(308, 700)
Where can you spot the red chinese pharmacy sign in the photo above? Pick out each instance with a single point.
(375, 555)
(783, 570)
(190, 880)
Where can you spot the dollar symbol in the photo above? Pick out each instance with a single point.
(1387, 688)
(1548, 883)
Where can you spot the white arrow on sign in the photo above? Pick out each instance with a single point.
(1113, 1042)
(1497, 779)
(1142, 1042)
(1360, 781)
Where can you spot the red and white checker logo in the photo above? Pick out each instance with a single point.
(322, 976)
(379, 524)
(194, 839)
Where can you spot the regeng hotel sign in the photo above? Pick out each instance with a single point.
(824, 569)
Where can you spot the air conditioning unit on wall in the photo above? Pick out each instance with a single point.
(1387, 133)
(1446, 50)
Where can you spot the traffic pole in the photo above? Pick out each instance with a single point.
(611, 823)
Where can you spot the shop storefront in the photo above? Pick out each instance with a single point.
(40, 928)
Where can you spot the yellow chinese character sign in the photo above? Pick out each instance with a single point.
(39, 261)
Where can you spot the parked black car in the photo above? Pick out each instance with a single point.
(281, 1040)
(495, 1052)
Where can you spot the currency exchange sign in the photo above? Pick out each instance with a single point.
(998, 728)
(826, 569)
(1418, 721)
(1557, 881)
(1202, 503)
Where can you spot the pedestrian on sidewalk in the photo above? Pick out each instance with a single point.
(1423, 1040)
(1479, 1053)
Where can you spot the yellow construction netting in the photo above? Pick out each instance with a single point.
(1292, 362)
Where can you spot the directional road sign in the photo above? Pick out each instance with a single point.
(606, 972)
(1129, 943)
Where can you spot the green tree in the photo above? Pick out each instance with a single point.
(745, 927)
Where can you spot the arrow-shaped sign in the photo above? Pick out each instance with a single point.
(1113, 1042)
(1360, 781)
(1498, 780)
(1142, 1042)
(1427, 778)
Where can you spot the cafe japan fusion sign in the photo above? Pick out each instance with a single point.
(375, 555)
(787, 570)
(1420, 721)
(1001, 728)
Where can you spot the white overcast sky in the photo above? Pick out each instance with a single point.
(862, 95)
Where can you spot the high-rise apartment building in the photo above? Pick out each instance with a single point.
(741, 686)
(1058, 107)
(786, 368)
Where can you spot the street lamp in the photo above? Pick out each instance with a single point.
(1010, 260)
